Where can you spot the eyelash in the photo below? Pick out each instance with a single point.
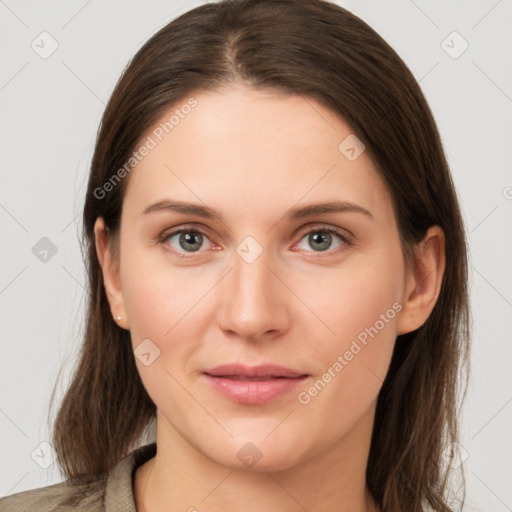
(345, 239)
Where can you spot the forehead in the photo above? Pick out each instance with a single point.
(239, 149)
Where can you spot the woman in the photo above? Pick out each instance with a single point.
(282, 376)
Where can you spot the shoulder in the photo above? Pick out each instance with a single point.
(107, 493)
(65, 495)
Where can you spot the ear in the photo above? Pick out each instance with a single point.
(423, 281)
(111, 277)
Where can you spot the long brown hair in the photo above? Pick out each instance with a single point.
(318, 50)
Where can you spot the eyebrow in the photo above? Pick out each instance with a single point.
(293, 214)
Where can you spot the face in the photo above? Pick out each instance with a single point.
(262, 279)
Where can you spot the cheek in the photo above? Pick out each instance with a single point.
(161, 299)
(159, 307)
(355, 364)
(360, 305)
(166, 317)
(356, 296)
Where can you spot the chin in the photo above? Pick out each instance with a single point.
(257, 454)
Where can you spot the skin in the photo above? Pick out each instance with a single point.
(252, 156)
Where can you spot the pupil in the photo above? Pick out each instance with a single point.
(323, 238)
(187, 241)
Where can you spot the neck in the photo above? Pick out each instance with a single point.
(180, 478)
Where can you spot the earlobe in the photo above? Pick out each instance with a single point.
(110, 272)
(423, 281)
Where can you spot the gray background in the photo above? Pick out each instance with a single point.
(51, 108)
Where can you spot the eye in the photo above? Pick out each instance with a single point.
(185, 240)
(321, 239)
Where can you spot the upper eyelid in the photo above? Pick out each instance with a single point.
(304, 229)
(319, 226)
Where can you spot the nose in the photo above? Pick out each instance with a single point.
(253, 304)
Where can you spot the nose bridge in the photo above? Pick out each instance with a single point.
(253, 302)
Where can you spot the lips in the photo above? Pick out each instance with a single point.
(253, 385)
(261, 372)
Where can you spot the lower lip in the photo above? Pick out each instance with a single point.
(254, 392)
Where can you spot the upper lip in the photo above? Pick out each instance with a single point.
(264, 370)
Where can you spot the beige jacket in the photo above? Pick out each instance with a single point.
(111, 494)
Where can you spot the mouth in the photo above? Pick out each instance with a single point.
(253, 385)
(240, 377)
